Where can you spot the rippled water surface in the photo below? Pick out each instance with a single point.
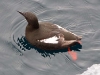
(18, 57)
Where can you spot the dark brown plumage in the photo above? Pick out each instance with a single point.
(37, 31)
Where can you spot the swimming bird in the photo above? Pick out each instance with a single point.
(46, 35)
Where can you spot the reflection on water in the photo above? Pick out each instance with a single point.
(25, 45)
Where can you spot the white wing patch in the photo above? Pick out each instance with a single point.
(58, 26)
(64, 29)
(53, 40)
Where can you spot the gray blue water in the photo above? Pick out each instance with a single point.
(79, 16)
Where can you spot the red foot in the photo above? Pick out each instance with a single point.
(72, 54)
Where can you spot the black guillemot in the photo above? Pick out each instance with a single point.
(46, 35)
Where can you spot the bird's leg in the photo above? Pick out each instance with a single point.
(72, 54)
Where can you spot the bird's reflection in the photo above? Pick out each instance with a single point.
(25, 45)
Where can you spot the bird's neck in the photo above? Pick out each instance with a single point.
(31, 27)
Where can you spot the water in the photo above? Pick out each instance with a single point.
(79, 16)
